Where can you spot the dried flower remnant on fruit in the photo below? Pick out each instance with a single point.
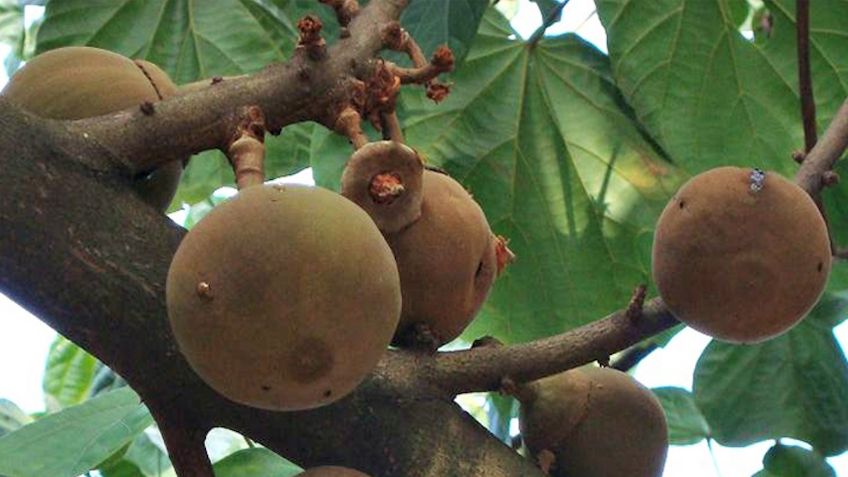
(385, 179)
(504, 255)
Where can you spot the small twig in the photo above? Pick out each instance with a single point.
(391, 127)
(310, 37)
(247, 150)
(637, 300)
(441, 62)
(398, 39)
(633, 356)
(824, 155)
(345, 10)
(482, 368)
(805, 82)
(349, 124)
(551, 18)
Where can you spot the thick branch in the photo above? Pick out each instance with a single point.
(483, 368)
(299, 90)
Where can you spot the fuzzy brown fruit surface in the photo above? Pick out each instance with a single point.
(81, 82)
(331, 471)
(446, 260)
(284, 297)
(384, 178)
(737, 264)
(597, 422)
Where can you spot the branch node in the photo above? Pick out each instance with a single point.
(634, 308)
(217, 80)
(246, 150)
(799, 156)
(345, 10)
(830, 178)
(349, 124)
(310, 37)
(147, 108)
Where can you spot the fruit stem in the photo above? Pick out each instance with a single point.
(349, 123)
(247, 155)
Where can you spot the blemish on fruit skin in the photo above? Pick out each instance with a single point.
(328, 393)
(821, 266)
(310, 360)
(265, 387)
(204, 290)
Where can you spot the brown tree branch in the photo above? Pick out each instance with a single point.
(831, 146)
(483, 368)
(300, 90)
(805, 82)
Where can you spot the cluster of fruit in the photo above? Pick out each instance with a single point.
(286, 297)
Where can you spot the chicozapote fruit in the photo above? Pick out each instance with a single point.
(447, 261)
(79, 82)
(331, 471)
(284, 297)
(597, 422)
(740, 254)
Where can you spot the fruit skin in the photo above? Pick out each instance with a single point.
(79, 82)
(446, 261)
(738, 265)
(284, 297)
(598, 422)
(331, 471)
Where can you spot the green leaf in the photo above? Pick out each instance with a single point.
(738, 11)
(543, 140)
(206, 172)
(148, 457)
(438, 22)
(121, 468)
(686, 424)
(11, 22)
(68, 375)
(255, 462)
(189, 40)
(547, 6)
(791, 461)
(707, 95)
(76, 439)
(795, 385)
(11, 417)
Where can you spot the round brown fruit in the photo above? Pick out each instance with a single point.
(284, 297)
(597, 422)
(79, 82)
(331, 471)
(739, 264)
(384, 178)
(446, 259)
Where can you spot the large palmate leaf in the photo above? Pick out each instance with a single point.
(706, 94)
(68, 374)
(795, 385)
(255, 462)
(686, 424)
(74, 440)
(190, 40)
(438, 22)
(540, 136)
